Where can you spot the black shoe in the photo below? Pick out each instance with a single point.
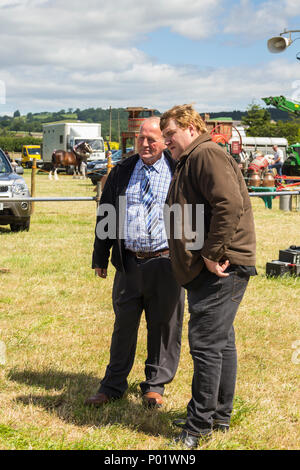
(187, 439)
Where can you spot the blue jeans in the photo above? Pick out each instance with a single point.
(278, 167)
(213, 307)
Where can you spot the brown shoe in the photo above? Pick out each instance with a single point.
(98, 399)
(152, 400)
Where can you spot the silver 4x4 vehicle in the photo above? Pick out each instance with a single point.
(12, 185)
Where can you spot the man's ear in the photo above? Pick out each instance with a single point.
(192, 130)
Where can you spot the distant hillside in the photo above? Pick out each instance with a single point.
(32, 122)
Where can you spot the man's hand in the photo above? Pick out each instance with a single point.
(101, 272)
(217, 268)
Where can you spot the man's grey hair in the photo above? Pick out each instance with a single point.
(154, 119)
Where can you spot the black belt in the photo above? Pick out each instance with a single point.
(149, 254)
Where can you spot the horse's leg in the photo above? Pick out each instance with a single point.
(81, 172)
(55, 174)
(76, 172)
(50, 175)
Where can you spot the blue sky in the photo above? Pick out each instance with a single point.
(75, 54)
(168, 47)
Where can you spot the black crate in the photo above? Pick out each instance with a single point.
(290, 256)
(278, 268)
(295, 268)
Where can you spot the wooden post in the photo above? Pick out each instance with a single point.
(32, 189)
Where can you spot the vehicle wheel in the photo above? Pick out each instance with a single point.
(21, 227)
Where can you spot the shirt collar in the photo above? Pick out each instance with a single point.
(157, 166)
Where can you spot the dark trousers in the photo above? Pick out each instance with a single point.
(213, 307)
(147, 285)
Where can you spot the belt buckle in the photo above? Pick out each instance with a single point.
(139, 255)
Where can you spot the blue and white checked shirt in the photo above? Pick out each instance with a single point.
(137, 237)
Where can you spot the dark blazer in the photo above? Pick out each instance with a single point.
(115, 186)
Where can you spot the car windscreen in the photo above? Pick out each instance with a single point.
(34, 151)
(4, 165)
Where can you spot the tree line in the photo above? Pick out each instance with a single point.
(113, 121)
(258, 121)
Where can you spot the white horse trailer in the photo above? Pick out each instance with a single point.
(264, 145)
(65, 135)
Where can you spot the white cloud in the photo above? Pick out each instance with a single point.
(153, 85)
(79, 54)
(255, 21)
(292, 7)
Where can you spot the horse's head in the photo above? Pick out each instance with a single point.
(83, 149)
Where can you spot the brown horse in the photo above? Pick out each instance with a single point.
(75, 157)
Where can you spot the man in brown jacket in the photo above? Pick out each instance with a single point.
(213, 262)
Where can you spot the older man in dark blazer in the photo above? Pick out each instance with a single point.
(144, 279)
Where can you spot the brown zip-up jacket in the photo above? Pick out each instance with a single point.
(208, 175)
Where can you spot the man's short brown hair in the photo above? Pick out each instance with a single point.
(183, 115)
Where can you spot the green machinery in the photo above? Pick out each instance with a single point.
(282, 103)
(291, 166)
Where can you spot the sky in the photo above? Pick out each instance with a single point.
(62, 54)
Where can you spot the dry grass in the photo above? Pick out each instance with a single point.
(57, 320)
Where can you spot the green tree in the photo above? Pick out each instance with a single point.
(258, 124)
(257, 120)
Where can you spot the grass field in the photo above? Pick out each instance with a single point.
(56, 320)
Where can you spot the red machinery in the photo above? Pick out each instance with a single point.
(223, 138)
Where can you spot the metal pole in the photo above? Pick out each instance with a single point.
(32, 189)
(46, 199)
(290, 31)
(50, 199)
(274, 193)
